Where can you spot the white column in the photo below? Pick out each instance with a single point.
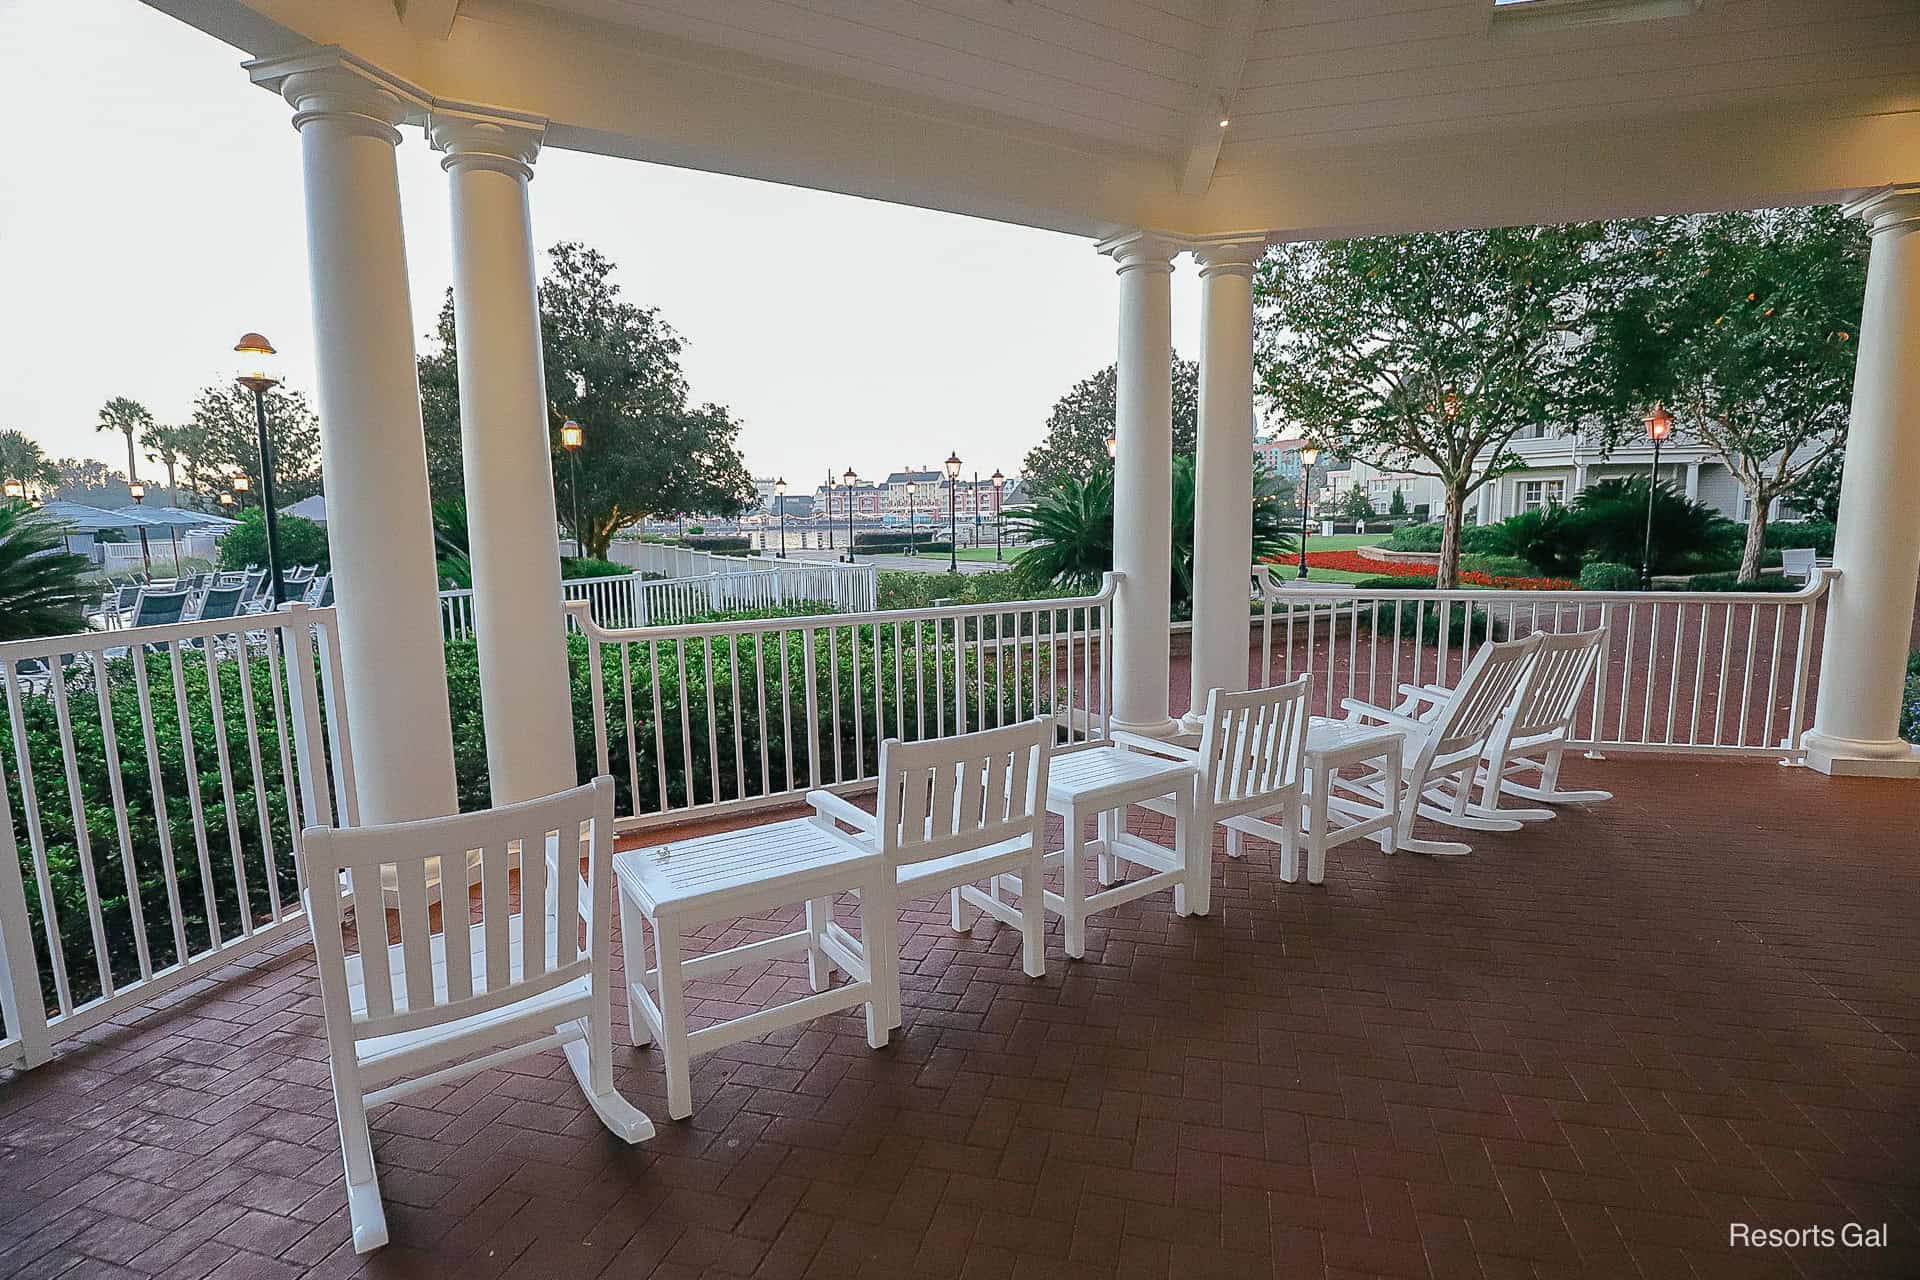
(1877, 545)
(1223, 485)
(1693, 480)
(1143, 482)
(508, 458)
(373, 452)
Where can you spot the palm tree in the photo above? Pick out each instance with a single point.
(130, 418)
(1071, 525)
(22, 460)
(171, 447)
(43, 589)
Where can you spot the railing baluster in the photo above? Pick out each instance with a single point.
(116, 787)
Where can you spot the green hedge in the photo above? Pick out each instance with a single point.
(1817, 534)
(1599, 575)
(899, 548)
(1910, 702)
(725, 544)
(589, 567)
(1778, 583)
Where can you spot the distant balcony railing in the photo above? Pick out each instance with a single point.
(633, 600)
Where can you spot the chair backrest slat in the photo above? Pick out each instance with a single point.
(433, 964)
(1254, 743)
(991, 786)
(1551, 694)
(158, 608)
(1482, 697)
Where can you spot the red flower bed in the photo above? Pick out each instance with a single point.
(1354, 562)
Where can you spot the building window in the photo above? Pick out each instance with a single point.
(1535, 494)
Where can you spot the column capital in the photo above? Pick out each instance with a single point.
(328, 83)
(1141, 251)
(1229, 255)
(507, 142)
(1890, 208)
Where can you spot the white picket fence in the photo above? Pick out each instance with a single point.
(1717, 673)
(631, 600)
(153, 785)
(733, 716)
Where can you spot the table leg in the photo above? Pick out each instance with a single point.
(1395, 768)
(1193, 895)
(1103, 829)
(1073, 889)
(673, 1018)
(819, 916)
(633, 948)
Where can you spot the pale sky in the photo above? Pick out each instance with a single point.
(151, 212)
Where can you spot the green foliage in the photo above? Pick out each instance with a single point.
(1778, 583)
(588, 567)
(225, 432)
(1426, 351)
(1817, 534)
(1422, 618)
(259, 799)
(1687, 535)
(1414, 537)
(904, 589)
(1356, 505)
(720, 544)
(129, 418)
(21, 459)
(614, 367)
(301, 542)
(1498, 566)
(43, 590)
(1075, 445)
(1744, 325)
(1397, 505)
(1551, 540)
(1071, 528)
(1599, 575)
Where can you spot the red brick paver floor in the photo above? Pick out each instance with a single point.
(1585, 1050)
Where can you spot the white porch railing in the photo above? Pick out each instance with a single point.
(630, 600)
(151, 800)
(1721, 673)
(732, 716)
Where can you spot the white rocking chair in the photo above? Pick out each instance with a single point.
(1251, 757)
(444, 1003)
(955, 812)
(1537, 729)
(1446, 743)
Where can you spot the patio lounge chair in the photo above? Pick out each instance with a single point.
(1799, 562)
(1446, 742)
(219, 602)
(439, 1005)
(1535, 734)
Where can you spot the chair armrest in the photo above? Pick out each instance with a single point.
(1154, 746)
(832, 808)
(1367, 711)
(1426, 692)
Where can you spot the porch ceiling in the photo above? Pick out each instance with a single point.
(1092, 115)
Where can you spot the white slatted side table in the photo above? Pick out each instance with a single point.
(676, 888)
(1333, 745)
(1104, 781)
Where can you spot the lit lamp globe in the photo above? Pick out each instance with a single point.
(241, 484)
(137, 491)
(780, 488)
(226, 500)
(1113, 444)
(571, 435)
(259, 364)
(848, 478)
(14, 489)
(953, 466)
(1659, 423)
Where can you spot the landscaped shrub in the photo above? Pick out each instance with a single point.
(1601, 575)
(908, 590)
(301, 542)
(1497, 566)
(1414, 537)
(588, 567)
(1817, 534)
(725, 544)
(900, 548)
(1910, 700)
(1733, 582)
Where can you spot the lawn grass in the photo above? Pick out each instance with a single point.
(1344, 541)
(986, 553)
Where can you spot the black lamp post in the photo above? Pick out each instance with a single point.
(953, 524)
(780, 496)
(1659, 427)
(139, 494)
(912, 486)
(999, 521)
(848, 479)
(976, 508)
(1308, 456)
(572, 436)
(258, 375)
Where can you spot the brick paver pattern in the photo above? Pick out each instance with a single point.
(1584, 1050)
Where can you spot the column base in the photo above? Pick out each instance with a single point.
(1855, 758)
(1163, 728)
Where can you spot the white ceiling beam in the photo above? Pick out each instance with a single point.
(428, 19)
(1219, 82)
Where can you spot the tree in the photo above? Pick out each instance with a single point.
(173, 448)
(1397, 505)
(440, 410)
(301, 542)
(614, 367)
(21, 459)
(1743, 325)
(129, 418)
(1356, 505)
(1071, 527)
(43, 589)
(1423, 352)
(229, 441)
(1083, 418)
